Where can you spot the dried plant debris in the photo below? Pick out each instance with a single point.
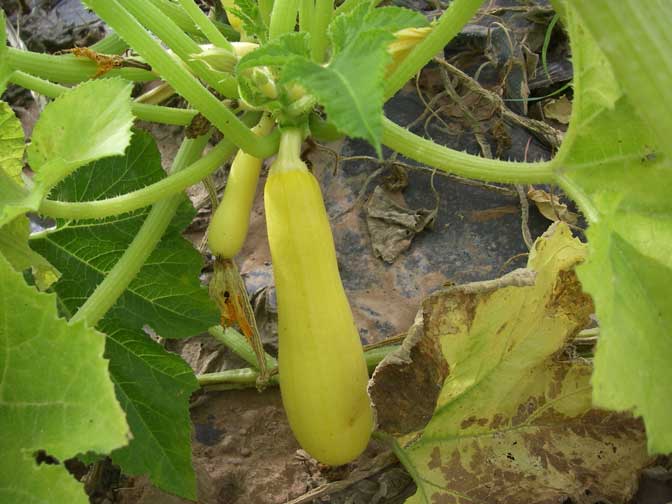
(559, 110)
(392, 226)
(512, 423)
(551, 207)
(418, 365)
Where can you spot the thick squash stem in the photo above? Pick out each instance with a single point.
(289, 153)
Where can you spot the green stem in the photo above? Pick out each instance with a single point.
(451, 22)
(321, 18)
(289, 151)
(239, 345)
(140, 198)
(177, 14)
(67, 68)
(306, 8)
(247, 377)
(232, 379)
(461, 163)
(578, 194)
(182, 81)
(184, 47)
(283, 17)
(144, 112)
(265, 9)
(149, 235)
(163, 115)
(112, 44)
(205, 24)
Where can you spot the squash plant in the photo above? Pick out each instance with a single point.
(115, 262)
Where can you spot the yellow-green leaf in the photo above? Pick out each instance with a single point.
(55, 396)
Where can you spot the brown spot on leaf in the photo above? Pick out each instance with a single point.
(569, 300)
(435, 459)
(468, 422)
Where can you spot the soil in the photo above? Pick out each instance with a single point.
(243, 450)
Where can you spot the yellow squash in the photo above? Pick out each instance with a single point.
(228, 227)
(323, 375)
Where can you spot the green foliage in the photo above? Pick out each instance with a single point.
(277, 52)
(152, 385)
(253, 21)
(166, 294)
(55, 395)
(631, 34)
(363, 18)
(14, 246)
(14, 235)
(89, 122)
(351, 87)
(11, 143)
(610, 163)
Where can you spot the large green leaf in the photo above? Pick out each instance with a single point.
(152, 385)
(351, 87)
(55, 395)
(14, 246)
(636, 38)
(277, 51)
(611, 164)
(166, 294)
(346, 27)
(12, 143)
(514, 420)
(14, 235)
(89, 122)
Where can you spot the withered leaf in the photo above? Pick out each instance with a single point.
(514, 423)
(392, 226)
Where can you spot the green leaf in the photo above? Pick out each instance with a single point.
(611, 165)
(351, 87)
(635, 39)
(346, 27)
(514, 420)
(253, 22)
(14, 197)
(90, 122)
(12, 143)
(277, 52)
(55, 395)
(154, 387)
(14, 246)
(14, 235)
(166, 294)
